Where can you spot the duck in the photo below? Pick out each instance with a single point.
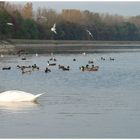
(52, 59)
(47, 70)
(102, 58)
(61, 66)
(18, 96)
(82, 68)
(90, 62)
(6, 68)
(23, 58)
(52, 64)
(35, 67)
(66, 69)
(87, 68)
(112, 59)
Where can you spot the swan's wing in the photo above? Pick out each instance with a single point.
(36, 96)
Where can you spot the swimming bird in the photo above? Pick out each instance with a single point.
(53, 29)
(83, 53)
(17, 96)
(89, 33)
(6, 68)
(66, 69)
(61, 66)
(111, 58)
(47, 70)
(51, 64)
(23, 58)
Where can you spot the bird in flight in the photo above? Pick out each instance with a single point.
(11, 24)
(89, 33)
(53, 29)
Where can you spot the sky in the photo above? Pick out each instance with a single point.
(124, 8)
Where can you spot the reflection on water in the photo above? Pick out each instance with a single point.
(17, 106)
(102, 104)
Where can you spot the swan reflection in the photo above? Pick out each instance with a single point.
(18, 106)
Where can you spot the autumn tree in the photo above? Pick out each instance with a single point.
(27, 12)
(71, 15)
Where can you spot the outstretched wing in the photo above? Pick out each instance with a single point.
(11, 24)
(89, 33)
(53, 29)
(54, 26)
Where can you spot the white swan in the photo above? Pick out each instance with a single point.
(17, 96)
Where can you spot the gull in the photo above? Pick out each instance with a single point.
(10, 24)
(89, 33)
(53, 29)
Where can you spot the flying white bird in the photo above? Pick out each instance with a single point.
(17, 96)
(53, 29)
(89, 33)
(10, 24)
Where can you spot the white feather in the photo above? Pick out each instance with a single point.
(17, 96)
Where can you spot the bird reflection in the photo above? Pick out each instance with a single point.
(18, 106)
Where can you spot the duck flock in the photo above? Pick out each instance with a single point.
(90, 66)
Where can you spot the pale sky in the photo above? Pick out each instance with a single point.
(121, 8)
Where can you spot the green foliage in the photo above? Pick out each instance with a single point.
(99, 26)
(4, 28)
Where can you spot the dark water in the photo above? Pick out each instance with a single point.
(102, 104)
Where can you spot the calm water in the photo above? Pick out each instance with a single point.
(102, 104)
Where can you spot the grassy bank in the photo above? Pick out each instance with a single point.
(61, 46)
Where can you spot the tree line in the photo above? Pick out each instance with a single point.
(21, 22)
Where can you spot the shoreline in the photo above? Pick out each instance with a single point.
(12, 46)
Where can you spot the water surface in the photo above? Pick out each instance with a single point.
(102, 104)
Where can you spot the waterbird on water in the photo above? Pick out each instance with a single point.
(83, 53)
(17, 96)
(53, 29)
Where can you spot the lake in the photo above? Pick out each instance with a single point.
(76, 104)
